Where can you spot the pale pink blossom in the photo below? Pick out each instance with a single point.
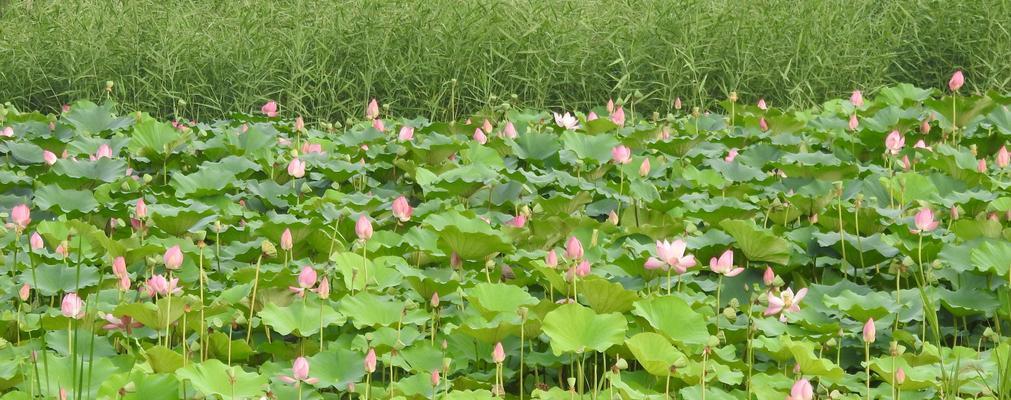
(618, 116)
(801, 390)
(299, 373)
(296, 168)
(894, 142)
(567, 121)
(725, 264)
(286, 240)
(269, 109)
(402, 209)
(372, 109)
(924, 220)
(21, 216)
(173, 257)
(785, 302)
(72, 306)
(621, 154)
(406, 133)
(363, 227)
(956, 81)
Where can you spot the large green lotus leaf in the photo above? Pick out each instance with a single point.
(163, 360)
(218, 346)
(418, 386)
(758, 244)
(59, 341)
(90, 118)
(103, 169)
(206, 181)
(674, 318)
(337, 367)
(573, 328)
(901, 95)
(604, 296)
(918, 377)
(862, 306)
(214, 378)
(535, 146)
(470, 395)
(470, 238)
(368, 309)
(973, 229)
(304, 318)
(23, 153)
(655, 353)
(966, 109)
(806, 354)
(380, 274)
(254, 141)
(483, 155)
(992, 257)
(155, 140)
(967, 301)
(148, 386)
(55, 198)
(599, 125)
(61, 371)
(168, 310)
(499, 297)
(589, 147)
(736, 171)
(51, 280)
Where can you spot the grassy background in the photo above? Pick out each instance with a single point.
(325, 58)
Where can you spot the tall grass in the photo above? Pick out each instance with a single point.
(324, 58)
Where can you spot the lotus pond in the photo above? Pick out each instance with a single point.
(857, 250)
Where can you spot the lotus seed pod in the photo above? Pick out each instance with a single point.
(893, 348)
(690, 229)
(721, 337)
(410, 305)
(695, 112)
(109, 85)
(729, 314)
(268, 249)
(621, 364)
(713, 341)
(778, 281)
(147, 178)
(733, 97)
(835, 394)
(572, 383)
(831, 342)
(734, 303)
(656, 115)
(907, 261)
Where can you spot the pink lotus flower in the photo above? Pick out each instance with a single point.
(920, 144)
(7, 132)
(653, 263)
(869, 331)
(925, 126)
(378, 125)
(269, 109)
(72, 306)
(509, 131)
(731, 155)
(498, 353)
(677, 103)
(621, 154)
(455, 261)
(24, 292)
(519, 221)
(673, 255)
(894, 142)
(370, 361)
(299, 373)
(49, 157)
(725, 264)
(119, 266)
(761, 104)
(286, 241)
(906, 164)
(769, 276)
(644, 167)
(486, 126)
(762, 124)
(21, 216)
(618, 116)
(435, 300)
(296, 168)
(582, 269)
(551, 259)
(372, 110)
(479, 136)
(981, 166)
(956, 81)
(402, 209)
(435, 378)
(406, 133)
(173, 257)
(299, 123)
(953, 211)
(566, 121)
(854, 122)
(573, 248)
(610, 106)
(310, 148)
(124, 283)
(158, 285)
(857, 99)
(612, 217)
(1003, 158)
(784, 303)
(61, 249)
(124, 323)
(363, 227)
(801, 390)
(924, 220)
(140, 210)
(592, 116)
(306, 280)
(36, 241)
(900, 376)
(323, 290)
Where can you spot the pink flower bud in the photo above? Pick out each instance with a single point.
(551, 259)
(618, 116)
(435, 300)
(24, 292)
(286, 240)
(956, 81)
(269, 109)
(372, 110)
(36, 241)
(49, 157)
(173, 257)
(406, 133)
(370, 361)
(644, 167)
(119, 266)
(21, 216)
(854, 123)
(621, 154)
(1003, 158)
(479, 136)
(296, 168)
(769, 277)
(762, 124)
(435, 378)
(498, 353)
(761, 105)
(378, 125)
(402, 209)
(573, 248)
(299, 123)
(140, 210)
(509, 131)
(307, 278)
(857, 99)
(869, 331)
(486, 127)
(363, 227)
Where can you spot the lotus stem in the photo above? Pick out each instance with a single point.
(252, 300)
(203, 329)
(867, 367)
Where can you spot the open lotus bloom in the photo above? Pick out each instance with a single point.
(785, 302)
(269, 109)
(567, 121)
(924, 221)
(672, 254)
(725, 265)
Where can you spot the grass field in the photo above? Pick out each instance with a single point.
(324, 58)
